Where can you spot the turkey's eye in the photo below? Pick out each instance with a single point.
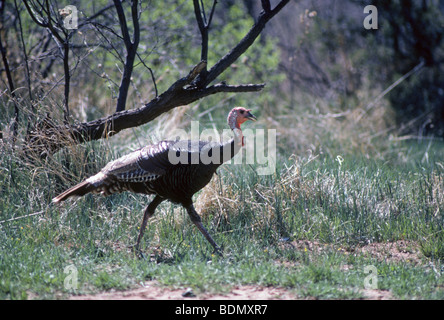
(242, 111)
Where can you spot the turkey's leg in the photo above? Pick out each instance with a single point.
(149, 211)
(198, 222)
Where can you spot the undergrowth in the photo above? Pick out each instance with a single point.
(345, 201)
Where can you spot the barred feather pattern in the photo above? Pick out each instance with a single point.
(150, 171)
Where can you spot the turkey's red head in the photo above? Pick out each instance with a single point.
(238, 116)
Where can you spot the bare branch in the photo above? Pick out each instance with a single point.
(211, 14)
(62, 42)
(123, 24)
(98, 28)
(25, 55)
(222, 87)
(31, 12)
(198, 14)
(152, 74)
(7, 69)
(131, 50)
(202, 28)
(51, 26)
(266, 5)
(97, 14)
(135, 16)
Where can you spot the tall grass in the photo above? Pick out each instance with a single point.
(349, 201)
(339, 182)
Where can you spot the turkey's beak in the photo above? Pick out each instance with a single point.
(250, 116)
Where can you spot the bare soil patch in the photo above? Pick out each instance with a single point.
(151, 290)
(397, 251)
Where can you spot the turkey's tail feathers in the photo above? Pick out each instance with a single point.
(91, 184)
(77, 191)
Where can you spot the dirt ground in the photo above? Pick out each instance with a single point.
(395, 251)
(152, 291)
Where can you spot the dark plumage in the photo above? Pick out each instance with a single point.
(172, 170)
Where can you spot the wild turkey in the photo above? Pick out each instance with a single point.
(172, 170)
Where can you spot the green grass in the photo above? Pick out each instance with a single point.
(342, 204)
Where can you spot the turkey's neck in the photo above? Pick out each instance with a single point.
(235, 126)
(238, 137)
(231, 148)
